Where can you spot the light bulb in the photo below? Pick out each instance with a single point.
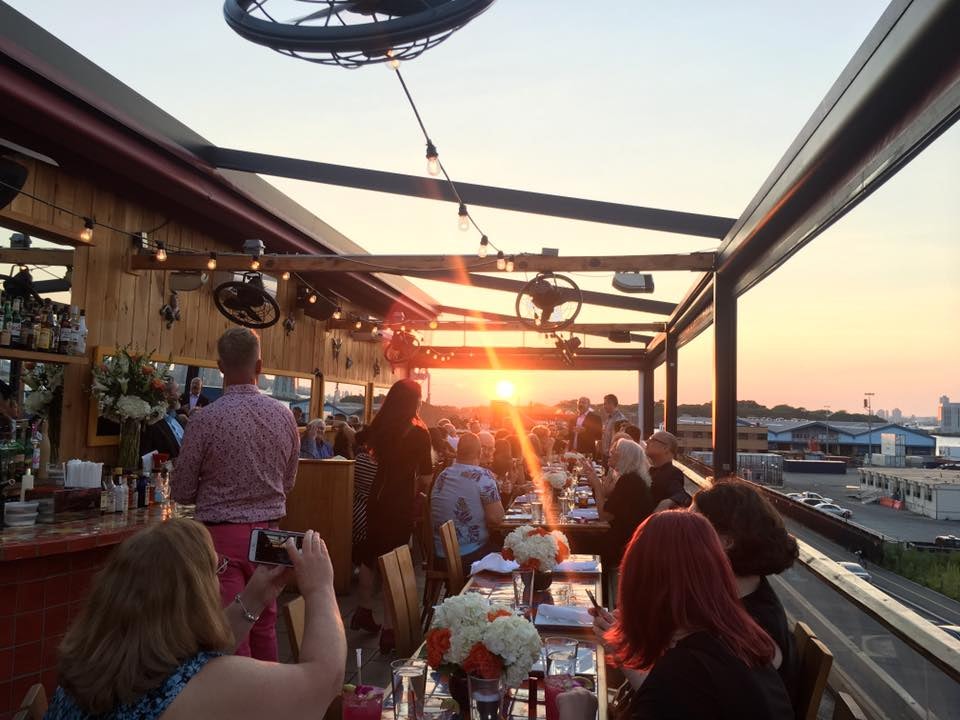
(358, 324)
(484, 246)
(392, 62)
(433, 324)
(338, 313)
(433, 160)
(161, 252)
(286, 275)
(464, 219)
(254, 264)
(312, 298)
(375, 331)
(510, 264)
(87, 233)
(501, 261)
(212, 262)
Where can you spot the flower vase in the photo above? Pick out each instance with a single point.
(486, 698)
(129, 444)
(43, 470)
(542, 581)
(460, 692)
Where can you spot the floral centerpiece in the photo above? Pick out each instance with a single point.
(129, 389)
(45, 400)
(472, 636)
(536, 548)
(557, 478)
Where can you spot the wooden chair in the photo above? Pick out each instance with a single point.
(846, 708)
(400, 591)
(34, 705)
(294, 614)
(451, 548)
(434, 579)
(815, 662)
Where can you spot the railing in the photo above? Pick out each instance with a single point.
(895, 663)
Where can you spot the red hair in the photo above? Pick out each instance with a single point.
(676, 576)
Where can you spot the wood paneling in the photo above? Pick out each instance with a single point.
(123, 307)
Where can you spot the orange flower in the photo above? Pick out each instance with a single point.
(507, 554)
(156, 384)
(491, 616)
(480, 662)
(438, 642)
(29, 365)
(538, 531)
(148, 369)
(563, 552)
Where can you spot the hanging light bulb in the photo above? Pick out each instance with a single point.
(358, 325)
(254, 264)
(501, 261)
(403, 328)
(312, 298)
(161, 255)
(286, 275)
(212, 262)
(433, 159)
(87, 233)
(392, 62)
(464, 222)
(375, 331)
(484, 245)
(338, 313)
(510, 264)
(433, 324)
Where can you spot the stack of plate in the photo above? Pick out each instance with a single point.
(20, 514)
(45, 511)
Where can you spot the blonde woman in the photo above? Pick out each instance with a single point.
(623, 499)
(153, 641)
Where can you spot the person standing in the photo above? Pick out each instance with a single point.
(166, 435)
(666, 479)
(400, 444)
(586, 429)
(237, 463)
(195, 398)
(611, 416)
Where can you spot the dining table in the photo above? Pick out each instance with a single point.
(567, 591)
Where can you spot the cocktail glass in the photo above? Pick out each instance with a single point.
(365, 703)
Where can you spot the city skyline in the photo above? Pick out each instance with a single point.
(660, 108)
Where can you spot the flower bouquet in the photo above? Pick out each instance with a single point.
(472, 636)
(45, 400)
(558, 479)
(536, 548)
(129, 389)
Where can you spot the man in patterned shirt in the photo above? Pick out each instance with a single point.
(467, 494)
(237, 463)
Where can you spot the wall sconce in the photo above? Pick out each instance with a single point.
(335, 345)
(376, 368)
(289, 324)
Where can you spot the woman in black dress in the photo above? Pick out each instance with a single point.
(400, 443)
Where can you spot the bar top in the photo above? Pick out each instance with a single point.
(108, 529)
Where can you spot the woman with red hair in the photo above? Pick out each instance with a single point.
(691, 649)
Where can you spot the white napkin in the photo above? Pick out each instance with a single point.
(518, 516)
(575, 566)
(585, 513)
(563, 615)
(493, 562)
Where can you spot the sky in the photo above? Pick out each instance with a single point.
(683, 106)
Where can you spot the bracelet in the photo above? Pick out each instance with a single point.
(247, 615)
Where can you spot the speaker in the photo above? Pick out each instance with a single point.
(12, 176)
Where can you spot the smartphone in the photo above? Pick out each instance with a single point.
(593, 600)
(266, 546)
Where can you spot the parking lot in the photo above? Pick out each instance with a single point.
(844, 489)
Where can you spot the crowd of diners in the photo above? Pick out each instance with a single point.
(179, 624)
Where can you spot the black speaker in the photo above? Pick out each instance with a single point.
(12, 177)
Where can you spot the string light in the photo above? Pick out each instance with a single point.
(358, 324)
(433, 159)
(501, 261)
(212, 262)
(464, 222)
(338, 313)
(510, 264)
(392, 62)
(484, 245)
(312, 298)
(161, 254)
(87, 233)
(434, 324)
(286, 275)
(254, 264)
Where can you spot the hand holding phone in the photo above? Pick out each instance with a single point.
(267, 546)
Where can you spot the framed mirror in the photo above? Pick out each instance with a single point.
(343, 398)
(293, 389)
(379, 394)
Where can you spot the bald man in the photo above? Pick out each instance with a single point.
(466, 493)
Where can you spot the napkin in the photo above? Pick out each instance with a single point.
(575, 566)
(585, 514)
(563, 615)
(518, 516)
(493, 562)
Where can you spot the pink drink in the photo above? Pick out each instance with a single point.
(363, 706)
(553, 685)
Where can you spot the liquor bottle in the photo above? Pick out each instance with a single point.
(27, 338)
(15, 320)
(5, 331)
(43, 337)
(66, 334)
(34, 328)
(80, 339)
(35, 442)
(54, 333)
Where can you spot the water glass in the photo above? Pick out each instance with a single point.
(536, 512)
(523, 591)
(409, 686)
(562, 660)
(486, 698)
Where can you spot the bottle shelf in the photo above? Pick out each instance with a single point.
(42, 357)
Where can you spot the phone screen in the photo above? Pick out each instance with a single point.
(269, 547)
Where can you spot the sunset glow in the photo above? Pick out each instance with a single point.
(505, 389)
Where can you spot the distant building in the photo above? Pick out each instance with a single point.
(696, 435)
(896, 416)
(883, 414)
(934, 493)
(948, 415)
(853, 439)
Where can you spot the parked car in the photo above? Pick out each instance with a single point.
(813, 502)
(947, 541)
(834, 510)
(857, 569)
(951, 630)
(810, 494)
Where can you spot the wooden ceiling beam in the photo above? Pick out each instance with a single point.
(475, 325)
(36, 256)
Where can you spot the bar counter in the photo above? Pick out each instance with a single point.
(45, 571)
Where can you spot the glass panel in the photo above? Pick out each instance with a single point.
(344, 399)
(379, 395)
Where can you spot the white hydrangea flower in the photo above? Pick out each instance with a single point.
(558, 479)
(130, 406)
(543, 548)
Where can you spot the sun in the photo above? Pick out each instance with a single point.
(505, 389)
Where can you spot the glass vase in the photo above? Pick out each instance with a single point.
(129, 458)
(486, 698)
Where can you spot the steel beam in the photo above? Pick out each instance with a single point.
(502, 358)
(670, 395)
(646, 403)
(609, 213)
(724, 377)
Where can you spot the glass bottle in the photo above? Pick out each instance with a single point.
(28, 340)
(80, 339)
(35, 328)
(54, 333)
(15, 340)
(43, 337)
(66, 334)
(5, 331)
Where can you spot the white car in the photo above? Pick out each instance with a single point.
(818, 496)
(834, 510)
(857, 569)
(814, 501)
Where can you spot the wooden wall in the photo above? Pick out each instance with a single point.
(123, 306)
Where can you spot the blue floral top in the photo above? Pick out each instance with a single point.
(149, 707)
(459, 494)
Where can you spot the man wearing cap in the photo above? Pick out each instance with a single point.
(666, 479)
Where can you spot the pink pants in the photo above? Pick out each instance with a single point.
(232, 541)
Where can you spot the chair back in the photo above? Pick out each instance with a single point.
(451, 548)
(846, 708)
(403, 604)
(34, 705)
(294, 614)
(815, 662)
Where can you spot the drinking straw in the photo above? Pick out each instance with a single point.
(359, 665)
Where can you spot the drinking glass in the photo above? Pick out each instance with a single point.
(486, 698)
(536, 512)
(523, 591)
(362, 707)
(436, 708)
(553, 685)
(409, 684)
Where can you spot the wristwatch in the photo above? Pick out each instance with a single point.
(247, 615)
